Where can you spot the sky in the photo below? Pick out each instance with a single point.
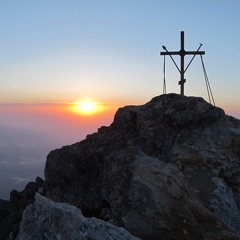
(56, 52)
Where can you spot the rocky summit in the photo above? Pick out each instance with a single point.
(167, 170)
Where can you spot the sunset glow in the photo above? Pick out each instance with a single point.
(87, 107)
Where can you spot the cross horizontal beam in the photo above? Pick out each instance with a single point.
(184, 53)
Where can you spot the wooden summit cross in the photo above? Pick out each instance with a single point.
(182, 54)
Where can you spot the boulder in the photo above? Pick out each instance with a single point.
(49, 220)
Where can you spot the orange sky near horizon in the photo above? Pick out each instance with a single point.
(27, 114)
(66, 117)
(56, 120)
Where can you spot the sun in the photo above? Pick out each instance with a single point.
(86, 107)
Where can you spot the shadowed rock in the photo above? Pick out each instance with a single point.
(4, 209)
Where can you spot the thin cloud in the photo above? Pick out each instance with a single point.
(24, 160)
(21, 145)
(3, 144)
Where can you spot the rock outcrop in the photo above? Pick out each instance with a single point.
(168, 169)
(9, 226)
(159, 171)
(48, 220)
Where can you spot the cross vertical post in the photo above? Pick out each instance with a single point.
(182, 54)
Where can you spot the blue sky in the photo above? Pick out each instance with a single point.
(109, 50)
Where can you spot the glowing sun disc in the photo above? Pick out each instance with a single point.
(86, 107)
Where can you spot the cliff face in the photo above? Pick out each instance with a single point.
(168, 169)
